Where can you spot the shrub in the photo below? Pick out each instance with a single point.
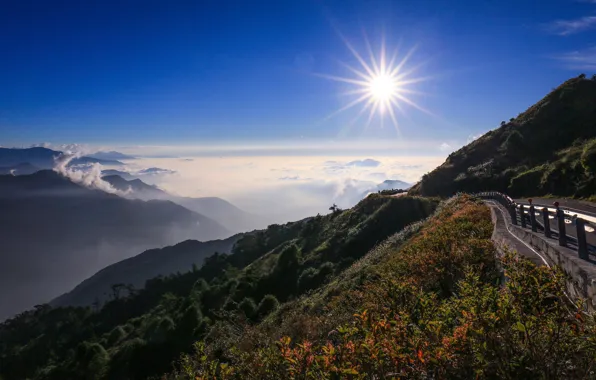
(268, 304)
(588, 157)
(116, 335)
(248, 307)
(435, 310)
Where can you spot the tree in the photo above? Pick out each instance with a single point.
(503, 122)
(248, 307)
(288, 259)
(594, 77)
(582, 76)
(334, 208)
(268, 304)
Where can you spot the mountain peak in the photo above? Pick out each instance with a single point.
(545, 149)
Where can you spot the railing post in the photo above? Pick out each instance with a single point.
(523, 216)
(513, 212)
(532, 216)
(561, 225)
(582, 245)
(546, 222)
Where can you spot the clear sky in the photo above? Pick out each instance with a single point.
(192, 72)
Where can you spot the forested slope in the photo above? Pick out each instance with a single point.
(139, 336)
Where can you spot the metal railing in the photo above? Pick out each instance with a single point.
(538, 218)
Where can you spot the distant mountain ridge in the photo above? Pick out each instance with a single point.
(56, 233)
(142, 267)
(23, 168)
(215, 208)
(111, 156)
(43, 158)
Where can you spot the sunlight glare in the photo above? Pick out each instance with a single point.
(380, 85)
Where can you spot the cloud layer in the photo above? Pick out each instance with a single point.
(285, 188)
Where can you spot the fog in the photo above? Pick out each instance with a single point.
(282, 188)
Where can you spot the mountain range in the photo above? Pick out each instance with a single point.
(56, 233)
(216, 208)
(111, 155)
(43, 158)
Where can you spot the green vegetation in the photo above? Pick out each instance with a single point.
(371, 292)
(548, 149)
(432, 307)
(140, 335)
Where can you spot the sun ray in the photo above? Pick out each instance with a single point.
(341, 79)
(348, 106)
(403, 62)
(373, 60)
(357, 56)
(411, 103)
(355, 71)
(382, 85)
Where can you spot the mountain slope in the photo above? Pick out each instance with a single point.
(23, 168)
(215, 208)
(140, 268)
(146, 332)
(549, 148)
(56, 233)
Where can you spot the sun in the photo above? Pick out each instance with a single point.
(382, 89)
(382, 85)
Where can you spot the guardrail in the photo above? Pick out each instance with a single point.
(538, 218)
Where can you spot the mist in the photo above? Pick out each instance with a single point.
(281, 188)
(88, 176)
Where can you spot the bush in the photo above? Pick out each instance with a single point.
(268, 304)
(312, 278)
(116, 335)
(434, 309)
(248, 307)
(588, 157)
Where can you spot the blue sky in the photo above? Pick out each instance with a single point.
(194, 72)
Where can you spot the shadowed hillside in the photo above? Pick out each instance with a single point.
(136, 270)
(55, 233)
(139, 335)
(548, 149)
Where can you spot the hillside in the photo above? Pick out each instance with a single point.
(179, 258)
(138, 336)
(427, 300)
(19, 169)
(548, 149)
(56, 233)
(218, 209)
(427, 303)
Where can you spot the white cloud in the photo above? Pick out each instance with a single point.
(367, 162)
(475, 137)
(290, 187)
(88, 175)
(444, 147)
(568, 27)
(579, 59)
